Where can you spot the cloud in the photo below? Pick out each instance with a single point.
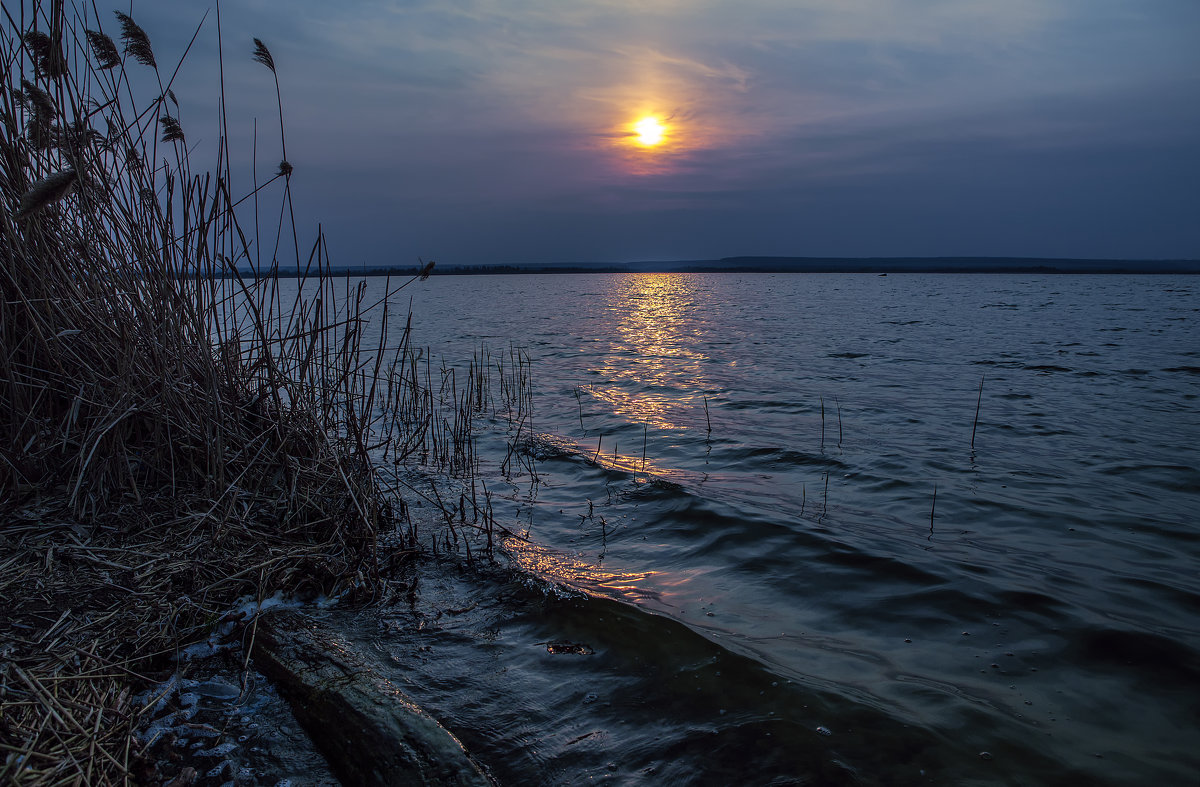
(408, 121)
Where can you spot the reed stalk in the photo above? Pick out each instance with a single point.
(839, 415)
(822, 423)
(932, 507)
(978, 403)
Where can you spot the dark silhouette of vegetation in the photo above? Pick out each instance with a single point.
(177, 433)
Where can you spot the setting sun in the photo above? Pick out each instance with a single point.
(650, 131)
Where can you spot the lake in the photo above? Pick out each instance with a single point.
(806, 528)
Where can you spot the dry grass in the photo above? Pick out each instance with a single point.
(174, 434)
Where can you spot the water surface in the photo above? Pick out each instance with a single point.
(802, 558)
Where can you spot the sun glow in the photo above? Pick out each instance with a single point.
(650, 131)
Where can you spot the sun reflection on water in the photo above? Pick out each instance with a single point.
(654, 373)
(572, 572)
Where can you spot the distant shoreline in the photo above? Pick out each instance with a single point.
(875, 265)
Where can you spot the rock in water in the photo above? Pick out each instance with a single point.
(369, 730)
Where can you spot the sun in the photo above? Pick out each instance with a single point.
(650, 131)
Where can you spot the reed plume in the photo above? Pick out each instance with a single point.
(263, 55)
(47, 56)
(104, 50)
(46, 192)
(137, 43)
(172, 132)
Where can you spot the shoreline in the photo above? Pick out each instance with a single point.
(822, 265)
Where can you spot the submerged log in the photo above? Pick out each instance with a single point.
(371, 733)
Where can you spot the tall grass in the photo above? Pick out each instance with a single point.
(176, 432)
(141, 365)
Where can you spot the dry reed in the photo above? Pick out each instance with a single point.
(176, 433)
(978, 403)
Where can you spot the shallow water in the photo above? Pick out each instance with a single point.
(795, 563)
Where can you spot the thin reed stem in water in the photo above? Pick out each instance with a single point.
(931, 510)
(822, 423)
(978, 402)
(839, 412)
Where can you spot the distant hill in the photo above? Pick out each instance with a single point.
(948, 265)
(875, 265)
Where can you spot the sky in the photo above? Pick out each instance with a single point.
(505, 131)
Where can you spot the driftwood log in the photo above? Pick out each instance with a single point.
(371, 733)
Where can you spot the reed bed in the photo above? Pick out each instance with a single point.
(177, 434)
(430, 432)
